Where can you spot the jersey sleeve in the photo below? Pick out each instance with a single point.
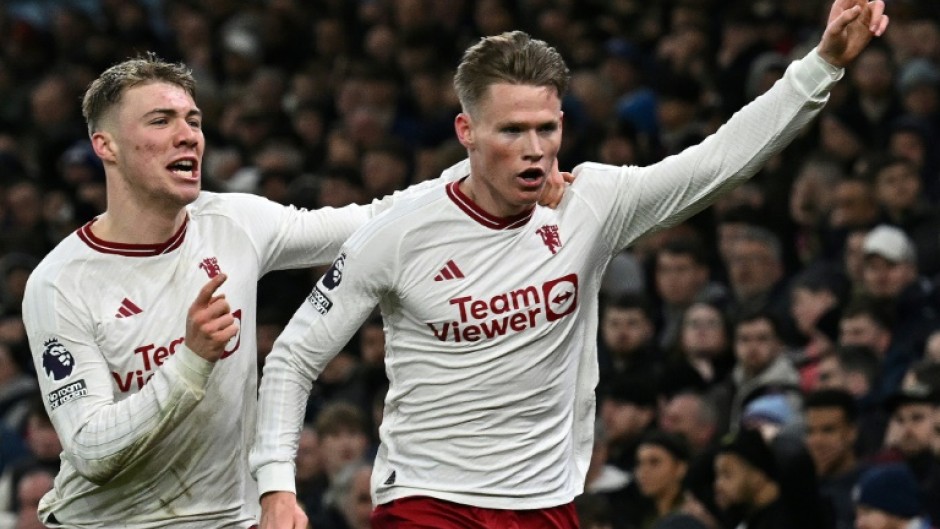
(101, 436)
(288, 237)
(629, 201)
(340, 301)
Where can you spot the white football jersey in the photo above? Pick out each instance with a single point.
(491, 323)
(153, 435)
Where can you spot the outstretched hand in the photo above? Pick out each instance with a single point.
(851, 25)
(555, 185)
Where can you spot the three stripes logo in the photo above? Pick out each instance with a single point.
(127, 309)
(450, 271)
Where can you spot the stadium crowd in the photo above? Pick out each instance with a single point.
(779, 351)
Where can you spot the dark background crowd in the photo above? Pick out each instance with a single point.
(780, 348)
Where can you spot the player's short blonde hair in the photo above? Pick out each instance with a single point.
(106, 91)
(512, 57)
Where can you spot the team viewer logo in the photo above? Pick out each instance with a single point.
(57, 361)
(334, 275)
(518, 310)
(561, 296)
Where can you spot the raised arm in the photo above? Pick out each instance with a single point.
(851, 25)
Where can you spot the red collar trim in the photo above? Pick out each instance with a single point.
(132, 250)
(482, 217)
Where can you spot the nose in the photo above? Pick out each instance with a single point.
(186, 134)
(533, 146)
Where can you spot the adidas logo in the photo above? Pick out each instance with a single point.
(127, 309)
(450, 271)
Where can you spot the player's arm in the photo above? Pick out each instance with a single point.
(670, 191)
(341, 300)
(102, 437)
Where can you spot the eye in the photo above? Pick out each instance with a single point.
(195, 123)
(512, 129)
(159, 121)
(548, 128)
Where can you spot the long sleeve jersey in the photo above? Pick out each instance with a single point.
(491, 322)
(153, 435)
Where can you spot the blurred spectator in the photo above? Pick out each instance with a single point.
(628, 344)
(627, 410)
(311, 481)
(348, 500)
(756, 274)
(17, 389)
(692, 416)
(662, 460)
(831, 434)
(887, 498)
(746, 486)
(44, 451)
(682, 276)
(762, 366)
(705, 342)
(612, 490)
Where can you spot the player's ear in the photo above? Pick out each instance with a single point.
(464, 127)
(103, 144)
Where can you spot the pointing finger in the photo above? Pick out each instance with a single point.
(205, 293)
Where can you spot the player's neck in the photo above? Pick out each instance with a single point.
(488, 199)
(131, 225)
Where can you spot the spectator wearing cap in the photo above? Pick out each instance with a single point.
(890, 275)
(831, 417)
(662, 461)
(746, 485)
(627, 411)
(887, 497)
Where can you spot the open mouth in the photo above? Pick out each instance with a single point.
(532, 176)
(184, 168)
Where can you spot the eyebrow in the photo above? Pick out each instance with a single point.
(173, 112)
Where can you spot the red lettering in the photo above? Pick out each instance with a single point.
(159, 355)
(517, 321)
(499, 304)
(144, 351)
(174, 343)
(125, 384)
(460, 303)
(478, 309)
(494, 328)
(523, 295)
(471, 333)
(442, 335)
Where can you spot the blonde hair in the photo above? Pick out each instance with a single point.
(106, 91)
